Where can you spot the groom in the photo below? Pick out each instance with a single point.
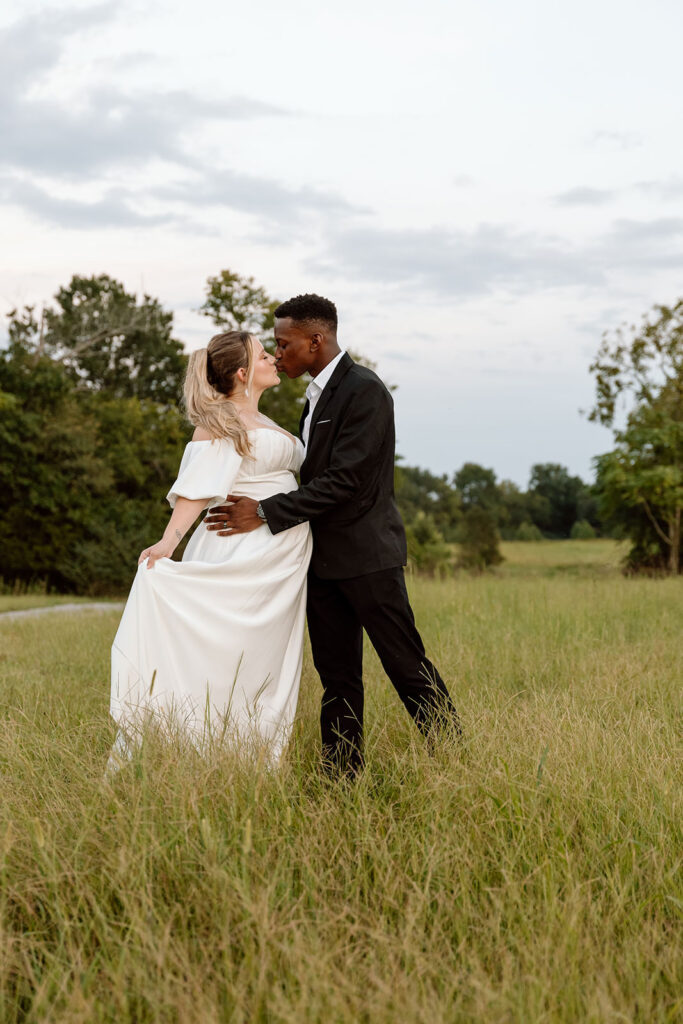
(355, 580)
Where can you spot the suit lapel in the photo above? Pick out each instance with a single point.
(340, 371)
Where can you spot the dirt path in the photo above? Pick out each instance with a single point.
(92, 606)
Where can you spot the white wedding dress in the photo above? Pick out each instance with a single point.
(214, 643)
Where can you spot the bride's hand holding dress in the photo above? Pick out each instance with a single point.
(162, 549)
(185, 513)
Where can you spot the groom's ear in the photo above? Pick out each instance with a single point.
(316, 341)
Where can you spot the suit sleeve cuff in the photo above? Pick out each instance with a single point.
(275, 518)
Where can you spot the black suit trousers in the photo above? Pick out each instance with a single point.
(338, 611)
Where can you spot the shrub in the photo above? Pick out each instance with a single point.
(582, 530)
(479, 540)
(528, 531)
(427, 550)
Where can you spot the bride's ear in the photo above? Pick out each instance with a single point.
(241, 375)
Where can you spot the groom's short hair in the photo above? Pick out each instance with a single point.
(307, 309)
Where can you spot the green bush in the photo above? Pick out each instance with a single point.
(428, 553)
(479, 540)
(528, 531)
(582, 530)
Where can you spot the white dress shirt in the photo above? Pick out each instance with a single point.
(314, 391)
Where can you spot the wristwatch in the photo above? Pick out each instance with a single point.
(260, 513)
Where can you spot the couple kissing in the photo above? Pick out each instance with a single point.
(219, 635)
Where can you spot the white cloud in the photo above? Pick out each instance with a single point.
(670, 190)
(625, 140)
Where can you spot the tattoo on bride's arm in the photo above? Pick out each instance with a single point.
(179, 535)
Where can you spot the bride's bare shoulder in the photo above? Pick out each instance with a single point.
(201, 435)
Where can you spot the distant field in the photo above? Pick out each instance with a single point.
(20, 602)
(553, 556)
(533, 875)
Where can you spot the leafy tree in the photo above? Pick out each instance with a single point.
(427, 551)
(477, 487)
(477, 534)
(108, 339)
(82, 476)
(640, 483)
(644, 474)
(554, 498)
(236, 303)
(513, 510)
(588, 509)
(45, 471)
(479, 539)
(419, 491)
(639, 368)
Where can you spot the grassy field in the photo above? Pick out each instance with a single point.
(551, 558)
(533, 875)
(24, 602)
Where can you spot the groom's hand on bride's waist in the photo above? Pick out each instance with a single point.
(240, 516)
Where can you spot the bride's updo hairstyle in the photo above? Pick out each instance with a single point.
(209, 382)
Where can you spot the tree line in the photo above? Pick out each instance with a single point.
(474, 510)
(92, 434)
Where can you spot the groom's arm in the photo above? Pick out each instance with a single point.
(353, 460)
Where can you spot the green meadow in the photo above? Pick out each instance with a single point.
(530, 874)
(21, 602)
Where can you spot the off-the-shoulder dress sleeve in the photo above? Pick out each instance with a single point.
(208, 470)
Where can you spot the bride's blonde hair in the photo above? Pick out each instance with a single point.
(210, 380)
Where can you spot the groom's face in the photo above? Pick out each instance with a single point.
(298, 347)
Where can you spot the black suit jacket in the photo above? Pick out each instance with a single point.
(347, 479)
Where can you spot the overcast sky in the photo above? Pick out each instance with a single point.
(482, 187)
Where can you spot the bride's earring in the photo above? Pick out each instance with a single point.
(246, 392)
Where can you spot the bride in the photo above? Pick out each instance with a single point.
(214, 642)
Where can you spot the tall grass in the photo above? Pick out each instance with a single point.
(532, 875)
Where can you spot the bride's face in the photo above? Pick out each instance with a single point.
(265, 374)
